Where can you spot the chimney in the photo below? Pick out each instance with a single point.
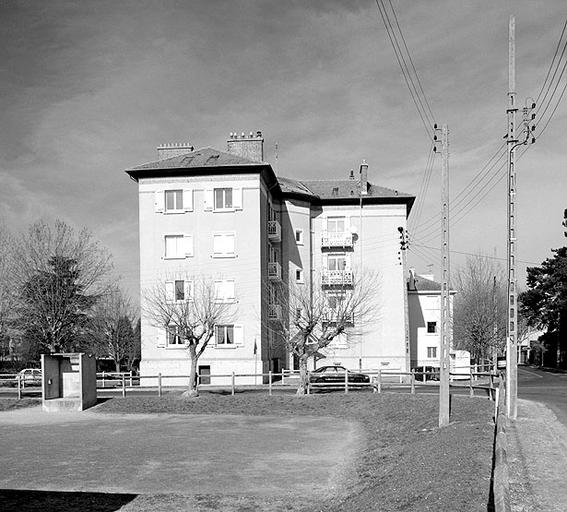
(170, 150)
(411, 280)
(351, 175)
(247, 146)
(363, 177)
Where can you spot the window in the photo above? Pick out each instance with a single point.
(178, 246)
(299, 275)
(225, 334)
(336, 262)
(178, 290)
(223, 245)
(173, 200)
(174, 338)
(336, 224)
(299, 236)
(431, 352)
(224, 290)
(431, 327)
(223, 198)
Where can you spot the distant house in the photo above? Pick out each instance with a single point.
(227, 216)
(424, 311)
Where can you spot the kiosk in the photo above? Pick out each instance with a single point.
(68, 382)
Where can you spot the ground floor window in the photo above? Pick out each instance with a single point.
(225, 335)
(174, 337)
(431, 352)
(204, 374)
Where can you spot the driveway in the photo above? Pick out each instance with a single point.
(183, 454)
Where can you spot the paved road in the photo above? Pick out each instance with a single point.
(546, 387)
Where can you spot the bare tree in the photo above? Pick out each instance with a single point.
(7, 290)
(60, 274)
(316, 313)
(112, 326)
(187, 308)
(479, 318)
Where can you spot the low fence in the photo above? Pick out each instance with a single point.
(500, 478)
(380, 380)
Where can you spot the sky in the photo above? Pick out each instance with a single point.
(89, 89)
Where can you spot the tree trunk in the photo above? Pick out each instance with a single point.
(117, 366)
(192, 391)
(303, 375)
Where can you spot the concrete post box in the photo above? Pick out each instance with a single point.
(68, 382)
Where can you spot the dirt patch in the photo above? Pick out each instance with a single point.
(8, 404)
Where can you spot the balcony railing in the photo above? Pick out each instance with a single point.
(274, 271)
(274, 311)
(274, 231)
(337, 278)
(336, 239)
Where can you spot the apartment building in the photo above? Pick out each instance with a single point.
(225, 216)
(424, 312)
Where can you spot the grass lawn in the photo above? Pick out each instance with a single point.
(405, 463)
(7, 404)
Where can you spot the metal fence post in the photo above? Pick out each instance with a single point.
(379, 381)
(159, 384)
(19, 387)
(490, 385)
(130, 378)
(123, 386)
(471, 389)
(270, 383)
(232, 386)
(346, 382)
(413, 381)
(103, 385)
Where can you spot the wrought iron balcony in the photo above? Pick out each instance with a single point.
(336, 239)
(337, 278)
(274, 271)
(274, 231)
(274, 311)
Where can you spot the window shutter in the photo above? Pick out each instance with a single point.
(324, 224)
(237, 198)
(209, 199)
(188, 200)
(169, 291)
(347, 262)
(160, 342)
(159, 201)
(239, 335)
(229, 293)
(188, 245)
(213, 341)
(188, 290)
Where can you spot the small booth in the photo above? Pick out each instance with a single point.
(68, 382)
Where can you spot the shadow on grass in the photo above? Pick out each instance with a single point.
(15, 500)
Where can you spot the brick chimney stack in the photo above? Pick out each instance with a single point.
(363, 177)
(247, 146)
(170, 150)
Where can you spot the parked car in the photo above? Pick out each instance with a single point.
(335, 374)
(30, 377)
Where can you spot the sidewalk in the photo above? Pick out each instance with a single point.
(537, 460)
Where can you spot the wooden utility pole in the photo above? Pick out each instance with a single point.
(445, 327)
(512, 317)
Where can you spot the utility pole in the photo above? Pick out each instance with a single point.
(445, 327)
(512, 317)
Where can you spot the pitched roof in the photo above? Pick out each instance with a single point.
(199, 158)
(328, 191)
(425, 285)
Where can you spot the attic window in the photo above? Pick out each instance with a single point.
(335, 191)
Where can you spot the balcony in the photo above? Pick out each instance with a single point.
(274, 231)
(274, 271)
(336, 239)
(337, 278)
(274, 311)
